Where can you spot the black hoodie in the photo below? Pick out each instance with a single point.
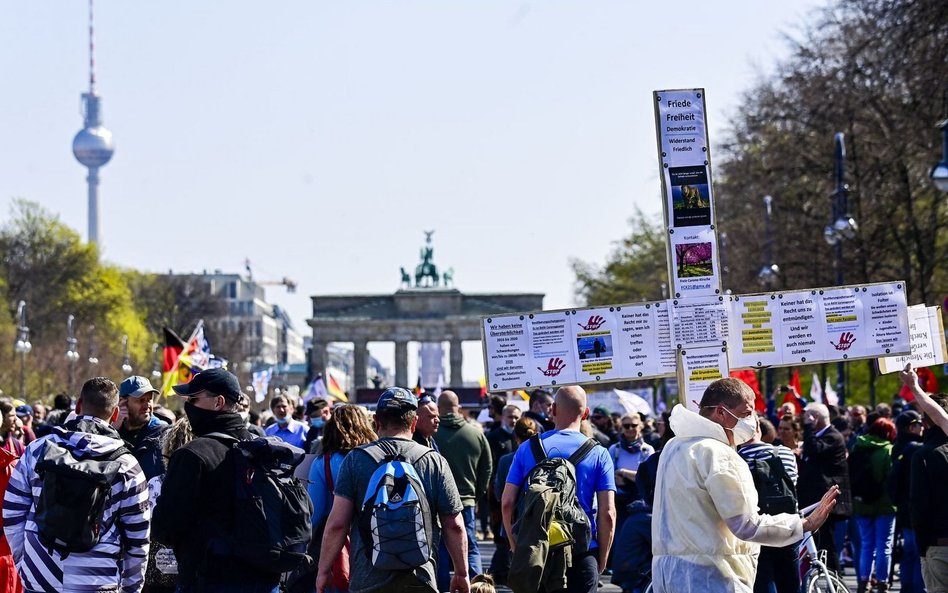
(197, 502)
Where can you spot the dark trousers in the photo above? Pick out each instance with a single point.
(777, 566)
(583, 575)
(825, 541)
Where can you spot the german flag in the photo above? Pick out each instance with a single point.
(174, 346)
(418, 390)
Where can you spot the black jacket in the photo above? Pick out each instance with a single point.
(901, 476)
(929, 489)
(197, 503)
(824, 464)
(543, 424)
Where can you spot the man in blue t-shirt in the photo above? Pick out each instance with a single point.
(595, 486)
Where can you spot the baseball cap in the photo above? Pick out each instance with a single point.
(24, 410)
(136, 386)
(397, 398)
(601, 410)
(217, 381)
(907, 418)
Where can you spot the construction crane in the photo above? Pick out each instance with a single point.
(289, 283)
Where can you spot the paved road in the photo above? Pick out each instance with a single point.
(487, 550)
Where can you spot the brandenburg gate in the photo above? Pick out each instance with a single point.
(428, 311)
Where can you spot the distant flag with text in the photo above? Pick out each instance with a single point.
(198, 347)
(335, 391)
(261, 383)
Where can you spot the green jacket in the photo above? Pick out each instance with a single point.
(465, 448)
(880, 464)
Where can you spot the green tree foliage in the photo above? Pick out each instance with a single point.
(635, 271)
(44, 263)
(875, 70)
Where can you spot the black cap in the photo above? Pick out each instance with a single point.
(397, 398)
(907, 418)
(216, 381)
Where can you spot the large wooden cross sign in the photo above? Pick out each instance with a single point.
(700, 333)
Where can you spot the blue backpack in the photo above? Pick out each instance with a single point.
(395, 521)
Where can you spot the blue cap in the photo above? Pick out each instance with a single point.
(397, 398)
(136, 386)
(24, 410)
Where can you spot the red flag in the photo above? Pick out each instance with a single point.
(795, 383)
(750, 377)
(174, 346)
(926, 380)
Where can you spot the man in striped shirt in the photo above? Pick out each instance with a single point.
(117, 561)
(774, 565)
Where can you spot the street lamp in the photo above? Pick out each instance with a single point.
(842, 228)
(155, 366)
(22, 345)
(93, 359)
(768, 273)
(939, 172)
(72, 355)
(126, 365)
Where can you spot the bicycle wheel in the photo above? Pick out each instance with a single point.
(816, 582)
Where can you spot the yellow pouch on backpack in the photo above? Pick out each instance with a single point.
(558, 535)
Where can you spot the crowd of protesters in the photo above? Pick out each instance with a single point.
(171, 486)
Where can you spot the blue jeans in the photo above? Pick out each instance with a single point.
(910, 568)
(473, 552)
(878, 536)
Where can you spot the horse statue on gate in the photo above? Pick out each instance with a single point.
(406, 279)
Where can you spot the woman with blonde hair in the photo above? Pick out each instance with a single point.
(347, 428)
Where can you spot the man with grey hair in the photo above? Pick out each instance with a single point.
(824, 465)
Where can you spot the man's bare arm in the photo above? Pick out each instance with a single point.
(455, 539)
(508, 503)
(334, 538)
(926, 404)
(605, 525)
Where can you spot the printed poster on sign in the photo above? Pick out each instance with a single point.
(886, 317)
(506, 348)
(698, 368)
(800, 317)
(596, 340)
(844, 330)
(700, 321)
(927, 340)
(639, 344)
(551, 349)
(667, 353)
(754, 335)
(690, 196)
(693, 265)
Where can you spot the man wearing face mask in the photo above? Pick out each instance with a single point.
(706, 530)
(318, 412)
(286, 428)
(198, 494)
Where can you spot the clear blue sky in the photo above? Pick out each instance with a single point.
(320, 138)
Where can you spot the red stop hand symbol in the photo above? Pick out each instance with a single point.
(594, 323)
(846, 340)
(553, 367)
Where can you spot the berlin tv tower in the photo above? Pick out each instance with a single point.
(93, 145)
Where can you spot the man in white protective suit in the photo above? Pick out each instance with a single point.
(706, 531)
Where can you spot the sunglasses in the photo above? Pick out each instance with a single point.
(631, 425)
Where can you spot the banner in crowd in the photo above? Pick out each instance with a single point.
(643, 340)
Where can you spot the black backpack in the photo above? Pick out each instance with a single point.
(73, 497)
(775, 492)
(271, 525)
(863, 484)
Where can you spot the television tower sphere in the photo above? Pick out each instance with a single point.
(93, 146)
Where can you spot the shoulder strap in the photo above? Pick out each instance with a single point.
(328, 471)
(585, 449)
(536, 446)
(220, 436)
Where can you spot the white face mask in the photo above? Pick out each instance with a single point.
(745, 428)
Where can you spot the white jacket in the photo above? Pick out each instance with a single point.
(706, 532)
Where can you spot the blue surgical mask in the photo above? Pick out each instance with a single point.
(317, 422)
(283, 421)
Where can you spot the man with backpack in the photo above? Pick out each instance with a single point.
(205, 511)
(773, 468)
(561, 528)
(393, 493)
(76, 511)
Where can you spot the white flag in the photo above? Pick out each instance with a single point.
(816, 392)
(831, 396)
(261, 382)
(440, 387)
